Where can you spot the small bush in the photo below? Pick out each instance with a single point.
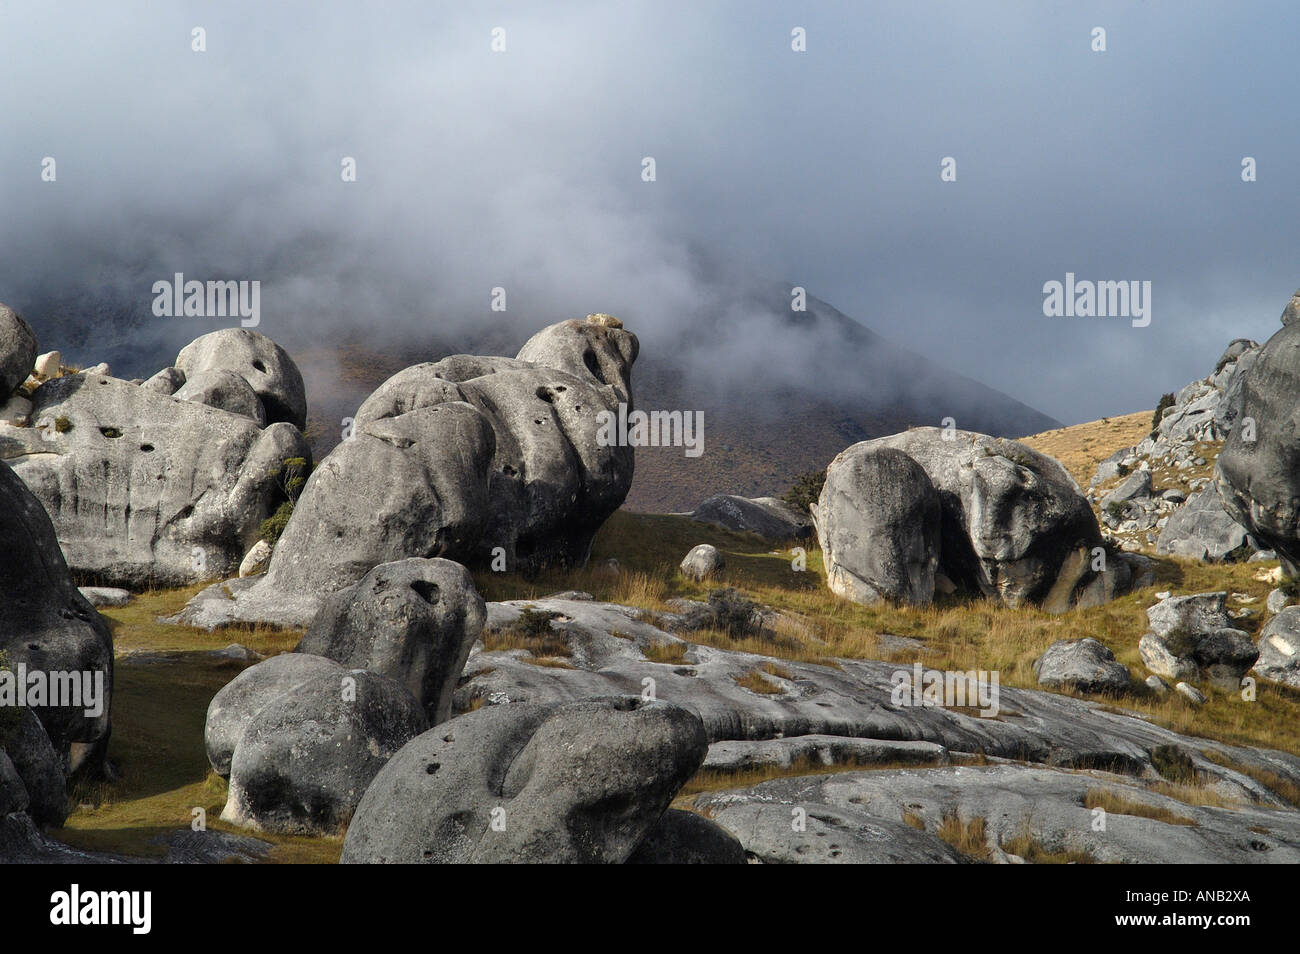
(274, 525)
(806, 489)
(62, 424)
(1166, 402)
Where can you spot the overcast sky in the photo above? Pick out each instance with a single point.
(523, 168)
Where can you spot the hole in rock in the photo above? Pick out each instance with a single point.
(260, 366)
(110, 432)
(545, 394)
(147, 448)
(432, 767)
(427, 591)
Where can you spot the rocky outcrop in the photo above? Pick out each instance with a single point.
(553, 479)
(878, 523)
(768, 517)
(1279, 648)
(414, 621)
(894, 816)
(1202, 530)
(610, 650)
(487, 461)
(46, 625)
(144, 489)
(267, 368)
(581, 782)
(1014, 524)
(415, 485)
(1191, 636)
(1258, 472)
(18, 348)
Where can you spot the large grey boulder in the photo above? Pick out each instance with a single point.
(307, 756)
(232, 709)
(18, 347)
(878, 521)
(267, 368)
(144, 489)
(414, 621)
(1011, 517)
(1202, 530)
(582, 782)
(47, 625)
(1258, 471)
(415, 485)
(554, 479)
(475, 459)
(769, 517)
(1279, 648)
(1084, 665)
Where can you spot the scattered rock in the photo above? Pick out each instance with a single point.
(704, 561)
(48, 365)
(768, 517)
(1157, 685)
(1084, 665)
(255, 559)
(1191, 694)
(105, 595)
(1279, 647)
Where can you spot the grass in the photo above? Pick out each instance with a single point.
(969, 837)
(755, 681)
(664, 652)
(1081, 447)
(957, 632)
(158, 712)
(1113, 803)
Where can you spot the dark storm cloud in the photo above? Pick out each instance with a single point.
(522, 170)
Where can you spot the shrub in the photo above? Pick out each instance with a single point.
(806, 489)
(62, 424)
(1166, 402)
(274, 525)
